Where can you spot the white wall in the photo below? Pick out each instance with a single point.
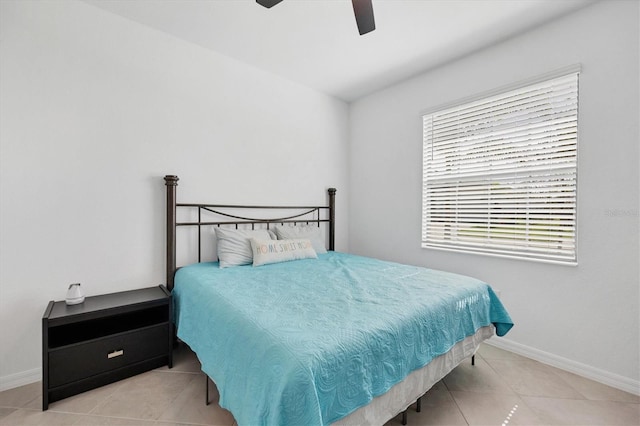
(95, 110)
(584, 318)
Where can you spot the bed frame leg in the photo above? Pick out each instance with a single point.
(419, 405)
(473, 359)
(404, 417)
(206, 383)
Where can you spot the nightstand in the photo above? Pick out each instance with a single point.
(103, 340)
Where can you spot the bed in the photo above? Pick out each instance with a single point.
(327, 338)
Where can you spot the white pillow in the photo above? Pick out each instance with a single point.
(234, 248)
(274, 251)
(310, 232)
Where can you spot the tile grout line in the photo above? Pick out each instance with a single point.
(186, 388)
(452, 397)
(518, 395)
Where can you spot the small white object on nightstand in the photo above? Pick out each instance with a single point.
(74, 295)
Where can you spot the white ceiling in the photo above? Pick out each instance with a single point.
(316, 42)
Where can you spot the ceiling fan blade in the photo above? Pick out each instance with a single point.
(268, 3)
(363, 9)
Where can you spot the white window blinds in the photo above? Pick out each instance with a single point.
(499, 174)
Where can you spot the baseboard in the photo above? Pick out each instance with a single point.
(605, 377)
(20, 379)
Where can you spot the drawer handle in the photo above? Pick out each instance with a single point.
(115, 354)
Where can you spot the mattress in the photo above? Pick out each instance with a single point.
(311, 341)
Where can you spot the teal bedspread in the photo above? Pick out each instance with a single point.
(307, 342)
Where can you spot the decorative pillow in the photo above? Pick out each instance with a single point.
(310, 232)
(274, 251)
(234, 248)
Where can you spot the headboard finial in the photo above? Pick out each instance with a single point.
(171, 180)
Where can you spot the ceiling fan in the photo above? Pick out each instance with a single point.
(363, 10)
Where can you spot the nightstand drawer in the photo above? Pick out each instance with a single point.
(79, 361)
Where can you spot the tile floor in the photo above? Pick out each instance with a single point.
(501, 389)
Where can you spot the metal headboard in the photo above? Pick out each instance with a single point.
(299, 214)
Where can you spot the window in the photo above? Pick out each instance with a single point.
(500, 173)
